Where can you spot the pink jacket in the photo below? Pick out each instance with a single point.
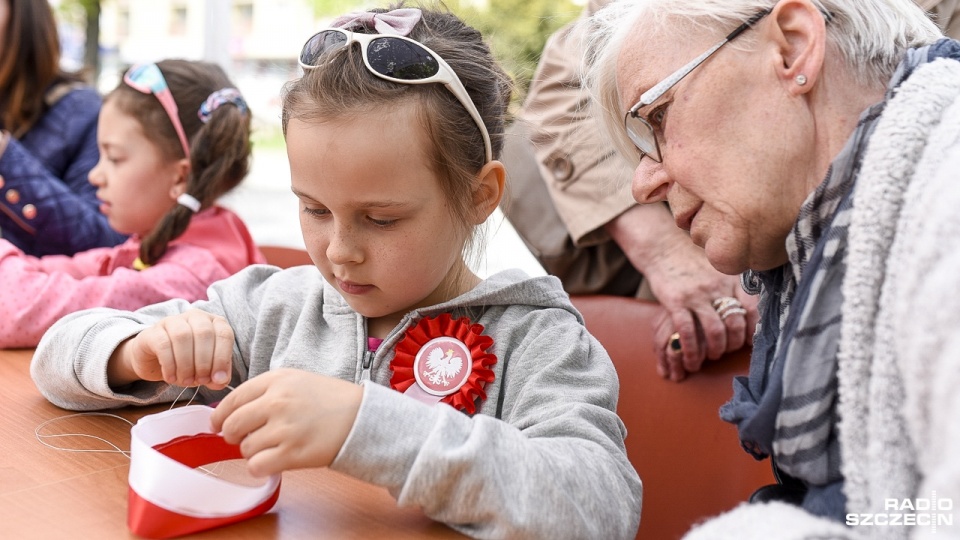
(36, 292)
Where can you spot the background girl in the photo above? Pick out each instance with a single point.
(156, 186)
(48, 140)
(346, 362)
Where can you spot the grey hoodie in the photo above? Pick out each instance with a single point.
(552, 466)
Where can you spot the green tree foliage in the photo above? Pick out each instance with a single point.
(517, 30)
(87, 12)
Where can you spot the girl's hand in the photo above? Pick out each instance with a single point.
(194, 348)
(288, 419)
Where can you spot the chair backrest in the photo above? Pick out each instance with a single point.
(285, 257)
(690, 461)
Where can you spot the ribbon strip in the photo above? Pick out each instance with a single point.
(167, 496)
(399, 22)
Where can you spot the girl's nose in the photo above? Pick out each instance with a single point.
(95, 176)
(344, 247)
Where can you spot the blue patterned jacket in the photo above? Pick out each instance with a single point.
(47, 206)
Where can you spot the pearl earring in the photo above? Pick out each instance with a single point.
(801, 79)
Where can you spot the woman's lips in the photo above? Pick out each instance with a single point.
(685, 219)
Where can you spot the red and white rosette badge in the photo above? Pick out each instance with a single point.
(168, 497)
(444, 360)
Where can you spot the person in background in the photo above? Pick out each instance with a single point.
(570, 203)
(485, 402)
(946, 13)
(174, 136)
(48, 140)
(812, 145)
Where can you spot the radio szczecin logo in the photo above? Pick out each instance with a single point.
(933, 512)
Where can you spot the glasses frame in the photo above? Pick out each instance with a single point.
(148, 79)
(638, 129)
(444, 75)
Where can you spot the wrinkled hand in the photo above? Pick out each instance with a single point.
(686, 285)
(193, 348)
(288, 419)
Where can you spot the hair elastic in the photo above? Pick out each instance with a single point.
(218, 98)
(191, 202)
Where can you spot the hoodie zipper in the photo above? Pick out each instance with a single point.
(367, 362)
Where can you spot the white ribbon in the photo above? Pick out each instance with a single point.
(173, 486)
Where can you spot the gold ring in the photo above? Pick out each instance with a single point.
(675, 342)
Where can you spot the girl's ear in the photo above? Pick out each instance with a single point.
(488, 190)
(180, 171)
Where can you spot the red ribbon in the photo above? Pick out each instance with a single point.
(149, 520)
(469, 334)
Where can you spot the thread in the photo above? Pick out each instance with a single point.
(115, 449)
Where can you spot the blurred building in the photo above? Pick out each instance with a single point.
(256, 41)
(254, 30)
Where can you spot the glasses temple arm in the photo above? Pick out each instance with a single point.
(654, 93)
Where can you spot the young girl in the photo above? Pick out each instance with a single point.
(484, 402)
(173, 137)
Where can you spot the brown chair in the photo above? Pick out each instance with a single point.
(690, 461)
(285, 257)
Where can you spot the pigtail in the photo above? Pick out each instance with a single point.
(220, 152)
(171, 226)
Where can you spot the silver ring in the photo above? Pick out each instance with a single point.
(725, 302)
(732, 311)
(726, 306)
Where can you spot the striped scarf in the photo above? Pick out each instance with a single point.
(787, 406)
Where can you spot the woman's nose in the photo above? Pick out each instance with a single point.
(650, 182)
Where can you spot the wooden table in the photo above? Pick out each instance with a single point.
(48, 493)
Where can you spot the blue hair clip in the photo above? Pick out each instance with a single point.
(218, 98)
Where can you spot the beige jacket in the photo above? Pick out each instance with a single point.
(946, 13)
(588, 182)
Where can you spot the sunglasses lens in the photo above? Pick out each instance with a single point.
(400, 59)
(319, 45)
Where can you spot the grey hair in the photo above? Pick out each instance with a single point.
(870, 37)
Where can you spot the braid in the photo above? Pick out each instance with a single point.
(219, 149)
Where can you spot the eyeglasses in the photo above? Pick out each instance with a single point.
(397, 59)
(148, 79)
(638, 128)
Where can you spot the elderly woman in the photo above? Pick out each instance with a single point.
(813, 145)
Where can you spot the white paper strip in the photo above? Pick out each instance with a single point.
(176, 487)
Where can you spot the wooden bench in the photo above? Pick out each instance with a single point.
(690, 461)
(285, 257)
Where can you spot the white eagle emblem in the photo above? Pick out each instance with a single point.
(442, 367)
